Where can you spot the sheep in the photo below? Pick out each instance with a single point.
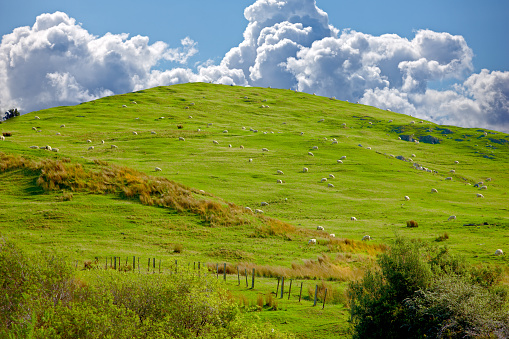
(158, 169)
(91, 148)
(456, 162)
(479, 195)
(390, 120)
(153, 132)
(448, 178)
(135, 133)
(484, 187)
(2, 138)
(330, 185)
(452, 171)
(319, 228)
(263, 203)
(249, 209)
(89, 141)
(62, 125)
(332, 235)
(321, 120)
(353, 218)
(312, 241)
(413, 155)
(280, 172)
(34, 147)
(366, 238)
(311, 154)
(198, 130)
(323, 180)
(134, 102)
(407, 197)
(452, 217)
(123, 106)
(340, 162)
(225, 131)
(215, 142)
(265, 149)
(34, 129)
(182, 139)
(305, 170)
(191, 104)
(343, 157)
(434, 190)
(301, 133)
(314, 147)
(279, 181)
(412, 122)
(230, 145)
(114, 146)
(334, 142)
(55, 149)
(370, 123)
(258, 211)
(368, 147)
(343, 124)
(488, 179)
(499, 252)
(37, 118)
(331, 176)
(250, 160)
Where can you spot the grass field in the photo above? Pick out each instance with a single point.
(370, 183)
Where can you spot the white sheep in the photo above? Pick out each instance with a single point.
(332, 235)
(448, 178)
(2, 138)
(249, 209)
(413, 155)
(265, 149)
(330, 185)
(34, 128)
(312, 241)
(366, 238)
(390, 120)
(353, 218)
(258, 211)
(279, 181)
(191, 104)
(114, 146)
(250, 160)
(343, 157)
(323, 180)
(215, 142)
(340, 161)
(499, 252)
(407, 197)
(301, 133)
(311, 154)
(343, 124)
(158, 169)
(488, 179)
(36, 117)
(124, 106)
(305, 169)
(280, 172)
(225, 131)
(182, 139)
(456, 162)
(484, 187)
(89, 141)
(434, 190)
(334, 142)
(412, 122)
(153, 132)
(54, 149)
(368, 147)
(135, 133)
(91, 148)
(452, 217)
(332, 176)
(34, 147)
(479, 195)
(319, 228)
(315, 147)
(263, 203)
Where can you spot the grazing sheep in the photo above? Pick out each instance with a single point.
(134, 102)
(225, 131)
(370, 123)
(301, 133)
(413, 155)
(452, 171)
(157, 169)
(279, 172)
(215, 142)
(331, 176)
(479, 195)
(91, 148)
(2, 138)
(343, 157)
(62, 125)
(332, 235)
(399, 138)
(312, 241)
(488, 179)
(34, 147)
(36, 117)
(34, 129)
(412, 122)
(124, 106)
(314, 147)
(484, 187)
(368, 147)
(89, 141)
(334, 142)
(323, 180)
(319, 228)
(448, 178)
(452, 217)
(54, 149)
(263, 203)
(191, 104)
(279, 181)
(249, 209)
(182, 139)
(265, 149)
(366, 238)
(330, 185)
(353, 218)
(390, 120)
(311, 154)
(135, 133)
(456, 162)
(258, 211)
(340, 162)
(250, 160)
(434, 190)
(499, 252)
(321, 120)
(305, 170)
(343, 124)
(114, 146)
(407, 197)
(230, 145)
(153, 132)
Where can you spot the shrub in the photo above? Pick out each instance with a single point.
(442, 237)
(412, 223)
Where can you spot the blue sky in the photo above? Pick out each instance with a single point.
(445, 43)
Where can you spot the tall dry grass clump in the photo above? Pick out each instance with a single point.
(354, 246)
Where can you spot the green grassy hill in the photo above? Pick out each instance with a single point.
(370, 184)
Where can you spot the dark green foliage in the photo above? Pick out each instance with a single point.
(11, 113)
(420, 292)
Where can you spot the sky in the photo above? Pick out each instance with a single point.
(444, 61)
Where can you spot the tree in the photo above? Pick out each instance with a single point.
(13, 112)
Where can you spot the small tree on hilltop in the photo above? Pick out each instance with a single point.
(13, 112)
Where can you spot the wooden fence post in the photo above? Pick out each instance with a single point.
(252, 283)
(282, 286)
(176, 266)
(224, 272)
(238, 274)
(134, 263)
(245, 272)
(159, 265)
(277, 289)
(324, 299)
(316, 294)
(153, 265)
(217, 271)
(148, 267)
(139, 268)
(290, 289)
(300, 294)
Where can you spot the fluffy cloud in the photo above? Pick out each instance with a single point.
(287, 44)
